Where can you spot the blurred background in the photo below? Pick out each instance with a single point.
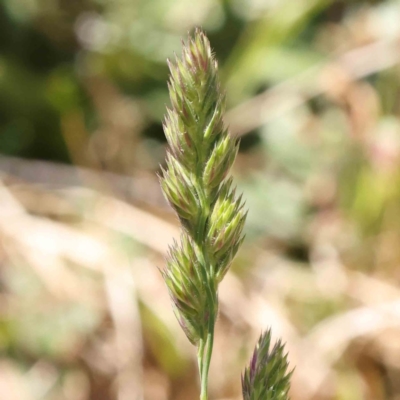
(312, 90)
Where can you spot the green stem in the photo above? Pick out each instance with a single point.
(205, 345)
(200, 354)
(207, 360)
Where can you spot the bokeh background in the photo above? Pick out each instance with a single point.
(313, 91)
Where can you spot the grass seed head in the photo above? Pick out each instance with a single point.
(196, 184)
(267, 376)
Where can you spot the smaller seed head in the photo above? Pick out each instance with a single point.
(267, 376)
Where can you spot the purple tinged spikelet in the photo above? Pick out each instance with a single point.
(267, 376)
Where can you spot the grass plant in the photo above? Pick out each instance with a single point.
(197, 184)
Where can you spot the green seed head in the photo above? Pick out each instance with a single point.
(196, 184)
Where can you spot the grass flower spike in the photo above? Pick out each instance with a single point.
(197, 185)
(267, 377)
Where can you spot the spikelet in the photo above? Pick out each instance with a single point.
(196, 184)
(267, 376)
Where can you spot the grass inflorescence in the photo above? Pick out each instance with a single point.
(197, 184)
